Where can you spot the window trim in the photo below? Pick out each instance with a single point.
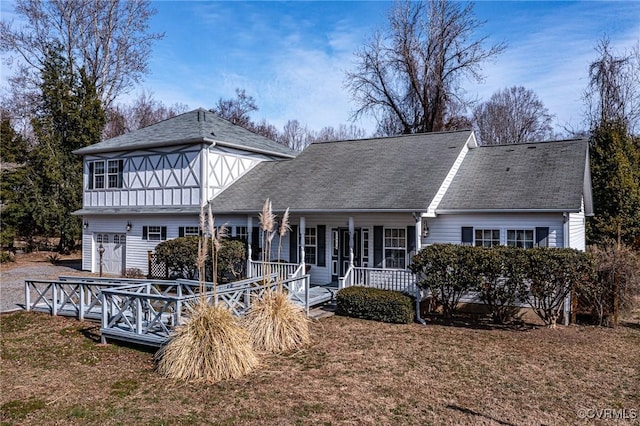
(307, 245)
(492, 239)
(398, 248)
(521, 229)
(106, 174)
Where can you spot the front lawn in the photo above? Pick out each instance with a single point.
(53, 371)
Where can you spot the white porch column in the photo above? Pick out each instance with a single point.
(301, 240)
(351, 233)
(249, 239)
(418, 233)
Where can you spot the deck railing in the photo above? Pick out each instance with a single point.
(141, 314)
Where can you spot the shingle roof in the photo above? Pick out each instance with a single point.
(540, 176)
(191, 127)
(396, 173)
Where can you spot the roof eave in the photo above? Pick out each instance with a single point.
(256, 150)
(467, 211)
(91, 149)
(321, 211)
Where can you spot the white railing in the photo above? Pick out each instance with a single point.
(386, 279)
(284, 270)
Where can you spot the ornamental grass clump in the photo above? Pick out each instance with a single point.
(274, 322)
(210, 346)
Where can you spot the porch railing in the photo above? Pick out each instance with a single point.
(386, 279)
(284, 270)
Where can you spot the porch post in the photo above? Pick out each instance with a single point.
(301, 240)
(351, 232)
(418, 233)
(249, 239)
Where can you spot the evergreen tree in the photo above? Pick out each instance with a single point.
(13, 147)
(615, 168)
(69, 117)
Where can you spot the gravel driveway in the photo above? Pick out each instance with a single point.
(12, 281)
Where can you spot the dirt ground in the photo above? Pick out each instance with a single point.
(33, 265)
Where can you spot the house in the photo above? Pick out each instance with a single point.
(368, 203)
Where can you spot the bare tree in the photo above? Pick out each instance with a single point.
(109, 39)
(343, 132)
(294, 135)
(512, 115)
(409, 76)
(144, 111)
(237, 110)
(614, 86)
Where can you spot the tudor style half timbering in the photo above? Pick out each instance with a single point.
(143, 187)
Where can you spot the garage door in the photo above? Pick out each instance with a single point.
(113, 258)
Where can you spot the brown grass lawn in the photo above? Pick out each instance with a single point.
(53, 371)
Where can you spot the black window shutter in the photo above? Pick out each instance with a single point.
(542, 237)
(322, 246)
(293, 244)
(467, 235)
(377, 246)
(145, 232)
(181, 231)
(411, 238)
(120, 172)
(163, 233)
(255, 243)
(91, 175)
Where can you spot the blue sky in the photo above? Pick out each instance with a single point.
(292, 56)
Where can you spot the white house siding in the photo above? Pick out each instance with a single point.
(226, 165)
(168, 176)
(136, 247)
(577, 238)
(448, 228)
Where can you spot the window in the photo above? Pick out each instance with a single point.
(191, 231)
(99, 178)
(310, 245)
(114, 174)
(520, 238)
(395, 248)
(487, 237)
(154, 233)
(242, 233)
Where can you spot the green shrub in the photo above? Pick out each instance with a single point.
(552, 273)
(502, 271)
(375, 304)
(6, 256)
(181, 257)
(448, 271)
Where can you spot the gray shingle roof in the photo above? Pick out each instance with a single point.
(191, 127)
(396, 173)
(540, 176)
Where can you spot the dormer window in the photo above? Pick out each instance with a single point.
(105, 174)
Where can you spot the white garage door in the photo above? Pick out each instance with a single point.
(113, 258)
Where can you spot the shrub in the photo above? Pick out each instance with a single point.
(180, 255)
(611, 264)
(54, 258)
(6, 256)
(502, 270)
(133, 273)
(375, 304)
(448, 271)
(552, 273)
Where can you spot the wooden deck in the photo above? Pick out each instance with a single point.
(145, 311)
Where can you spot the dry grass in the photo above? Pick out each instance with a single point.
(53, 371)
(210, 347)
(276, 324)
